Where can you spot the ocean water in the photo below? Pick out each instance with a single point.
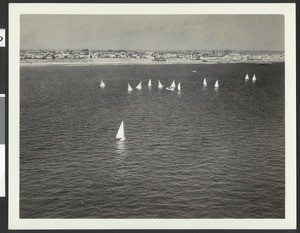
(200, 153)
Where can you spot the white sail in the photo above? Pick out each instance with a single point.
(247, 77)
(149, 83)
(129, 88)
(139, 87)
(160, 86)
(204, 82)
(173, 85)
(254, 78)
(217, 84)
(121, 134)
(179, 87)
(102, 84)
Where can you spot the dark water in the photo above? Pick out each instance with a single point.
(199, 154)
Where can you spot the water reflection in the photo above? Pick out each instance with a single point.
(121, 148)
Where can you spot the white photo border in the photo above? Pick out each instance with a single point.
(286, 9)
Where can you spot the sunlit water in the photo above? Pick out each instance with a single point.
(201, 153)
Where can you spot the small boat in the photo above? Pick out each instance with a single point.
(172, 87)
(129, 88)
(204, 82)
(179, 87)
(121, 135)
(102, 84)
(217, 84)
(247, 77)
(194, 71)
(149, 83)
(139, 87)
(254, 78)
(160, 86)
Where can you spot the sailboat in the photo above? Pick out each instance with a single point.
(139, 87)
(121, 135)
(179, 87)
(149, 83)
(102, 84)
(129, 88)
(204, 82)
(254, 78)
(217, 84)
(160, 86)
(247, 77)
(172, 87)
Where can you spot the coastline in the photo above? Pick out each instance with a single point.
(128, 61)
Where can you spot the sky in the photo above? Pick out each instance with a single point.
(153, 32)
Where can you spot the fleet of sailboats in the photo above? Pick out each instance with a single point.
(121, 134)
(172, 87)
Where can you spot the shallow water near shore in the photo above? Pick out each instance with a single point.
(200, 153)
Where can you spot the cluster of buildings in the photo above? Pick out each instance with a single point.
(205, 56)
(238, 56)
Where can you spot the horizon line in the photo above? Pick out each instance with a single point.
(241, 50)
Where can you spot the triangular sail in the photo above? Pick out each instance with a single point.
(129, 87)
(204, 82)
(160, 86)
(179, 87)
(139, 87)
(149, 83)
(254, 78)
(173, 85)
(121, 134)
(247, 77)
(102, 84)
(217, 84)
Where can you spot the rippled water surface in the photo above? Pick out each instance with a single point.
(201, 153)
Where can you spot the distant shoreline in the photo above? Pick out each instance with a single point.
(126, 61)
